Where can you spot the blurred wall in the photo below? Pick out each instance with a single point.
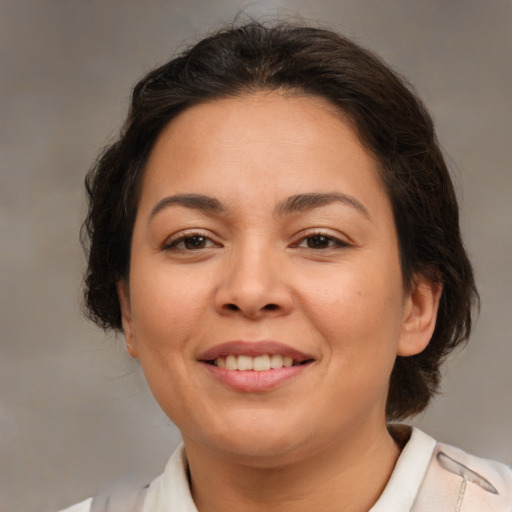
(75, 413)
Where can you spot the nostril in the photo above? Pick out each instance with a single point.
(267, 307)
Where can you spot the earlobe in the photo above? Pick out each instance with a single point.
(126, 318)
(420, 315)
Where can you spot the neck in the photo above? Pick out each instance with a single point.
(348, 475)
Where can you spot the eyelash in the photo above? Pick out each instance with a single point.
(182, 238)
(320, 236)
(332, 241)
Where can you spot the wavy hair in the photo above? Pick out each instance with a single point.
(391, 122)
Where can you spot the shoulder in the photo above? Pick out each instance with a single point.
(169, 491)
(121, 497)
(83, 506)
(465, 482)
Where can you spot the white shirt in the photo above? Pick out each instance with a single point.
(170, 491)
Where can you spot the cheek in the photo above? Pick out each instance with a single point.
(359, 312)
(166, 312)
(167, 307)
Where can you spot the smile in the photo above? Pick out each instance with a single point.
(254, 366)
(260, 363)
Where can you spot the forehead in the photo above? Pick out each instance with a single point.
(266, 145)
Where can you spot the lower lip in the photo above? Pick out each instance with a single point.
(252, 381)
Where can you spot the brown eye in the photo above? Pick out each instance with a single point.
(319, 242)
(192, 242)
(195, 242)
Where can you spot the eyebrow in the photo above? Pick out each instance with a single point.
(193, 201)
(303, 202)
(294, 204)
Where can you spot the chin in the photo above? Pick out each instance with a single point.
(257, 442)
(270, 453)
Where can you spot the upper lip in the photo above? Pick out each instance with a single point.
(254, 349)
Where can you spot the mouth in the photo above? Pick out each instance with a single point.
(254, 356)
(255, 366)
(260, 363)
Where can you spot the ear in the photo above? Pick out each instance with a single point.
(420, 315)
(123, 292)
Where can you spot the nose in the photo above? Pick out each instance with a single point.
(253, 285)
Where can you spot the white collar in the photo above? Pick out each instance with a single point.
(170, 492)
(410, 469)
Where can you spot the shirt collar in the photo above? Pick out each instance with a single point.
(409, 472)
(170, 492)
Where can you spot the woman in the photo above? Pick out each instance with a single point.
(276, 234)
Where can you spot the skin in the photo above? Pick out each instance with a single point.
(317, 440)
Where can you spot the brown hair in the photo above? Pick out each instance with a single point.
(391, 122)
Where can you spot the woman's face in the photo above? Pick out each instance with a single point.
(264, 237)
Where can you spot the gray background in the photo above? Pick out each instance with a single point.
(75, 414)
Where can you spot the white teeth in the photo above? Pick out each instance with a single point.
(244, 362)
(276, 361)
(259, 363)
(231, 363)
